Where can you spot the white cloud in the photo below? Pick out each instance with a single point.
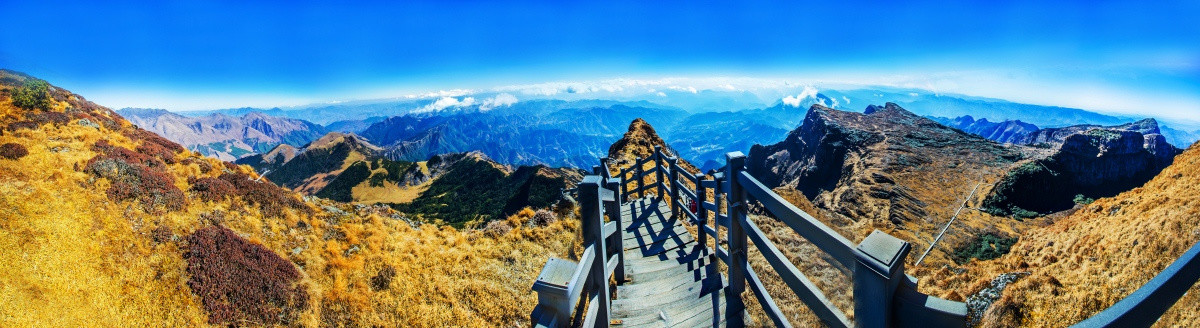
(846, 99)
(445, 102)
(683, 89)
(797, 100)
(661, 94)
(792, 101)
(809, 91)
(500, 100)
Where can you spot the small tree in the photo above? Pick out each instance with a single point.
(35, 94)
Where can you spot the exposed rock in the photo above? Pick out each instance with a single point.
(874, 165)
(1099, 162)
(639, 142)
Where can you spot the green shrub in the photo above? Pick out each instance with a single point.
(35, 94)
(1083, 200)
(984, 247)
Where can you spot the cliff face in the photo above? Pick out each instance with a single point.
(888, 164)
(1095, 163)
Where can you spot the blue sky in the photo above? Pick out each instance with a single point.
(1123, 57)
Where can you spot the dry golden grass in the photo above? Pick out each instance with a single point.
(1097, 255)
(73, 257)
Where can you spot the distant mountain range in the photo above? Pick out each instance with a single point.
(222, 136)
(573, 133)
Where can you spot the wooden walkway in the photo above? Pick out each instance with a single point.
(673, 280)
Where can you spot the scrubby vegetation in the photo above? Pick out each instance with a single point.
(984, 247)
(240, 282)
(135, 176)
(13, 151)
(34, 94)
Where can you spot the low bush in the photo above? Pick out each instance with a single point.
(240, 282)
(542, 218)
(985, 247)
(34, 94)
(55, 118)
(135, 176)
(383, 279)
(154, 145)
(13, 151)
(271, 199)
(211, 189)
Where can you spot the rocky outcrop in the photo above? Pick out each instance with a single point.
(639, 142)
(1098, 162)
(879, 165)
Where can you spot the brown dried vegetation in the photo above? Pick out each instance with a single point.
(240, 282)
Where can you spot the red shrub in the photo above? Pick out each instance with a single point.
(14, 126)
(48, 117)
(240, 282)
(211, 189)
(154, 145)
(13, 151)
(135, 176)
(271, 199)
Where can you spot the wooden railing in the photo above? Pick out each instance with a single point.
(563, 283)
(884, 296)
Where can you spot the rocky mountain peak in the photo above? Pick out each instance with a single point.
(875, 164)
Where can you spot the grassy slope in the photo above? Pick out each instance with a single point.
(1097, 255)
(75, 258)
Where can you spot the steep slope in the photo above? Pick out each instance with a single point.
(639, 142)
(887, 165)
(1096, 163)
(473, 189)
(105, 224)
(225, 137)
(1100, 253)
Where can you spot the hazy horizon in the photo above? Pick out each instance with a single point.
(1117, 58)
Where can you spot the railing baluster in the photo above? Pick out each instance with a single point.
(736, 205)
(672, 163)
(658, 175)
(701, 196)
(637, 163)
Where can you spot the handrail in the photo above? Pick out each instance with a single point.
(840, 248)
(795, 280)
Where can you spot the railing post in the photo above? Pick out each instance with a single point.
(701, 213)
(658, 174)
(614, 214)
(736, 204)
(593, 232)
(673, 163)
(878, 272)
(637, 174)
